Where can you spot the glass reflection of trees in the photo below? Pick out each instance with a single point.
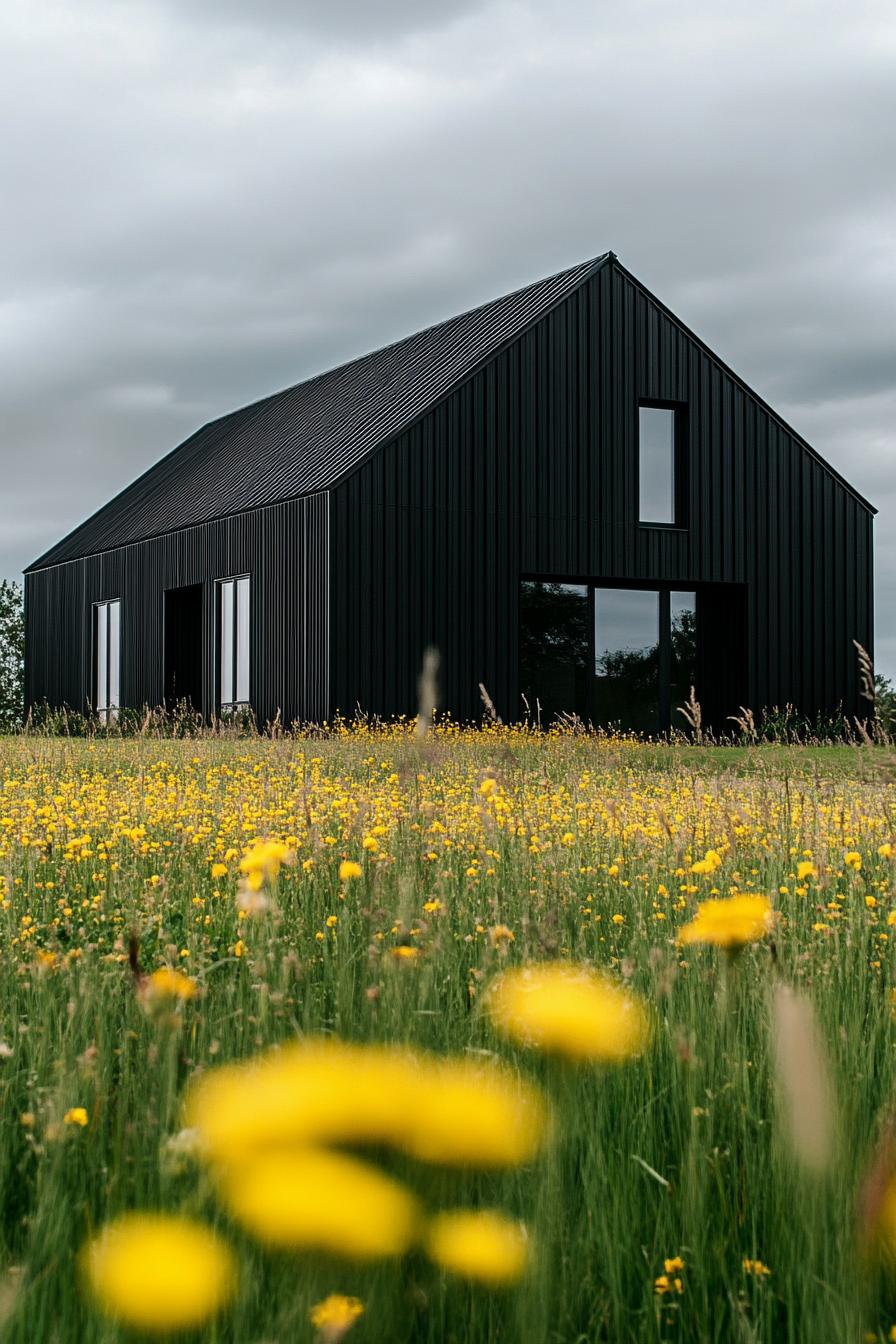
(683, 660)
(627, 658)
(555, 648)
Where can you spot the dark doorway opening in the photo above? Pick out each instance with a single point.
(183, 647)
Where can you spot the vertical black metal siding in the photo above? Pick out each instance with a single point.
(284, 549)
(530, 468)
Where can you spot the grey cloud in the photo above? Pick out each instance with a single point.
(352, 21)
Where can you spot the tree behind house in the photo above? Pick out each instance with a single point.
(12, 655)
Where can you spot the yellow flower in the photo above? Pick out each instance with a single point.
(488, 787)
(335, 1315)
(853, 859)
(569, 1010)
(323, 1201)
(500, 933)
(886, 852)
(166, 983)
(674, 1265)
(219, 870)
(76, 1116)
(348, 870)
(469, 1114)
(806, 869)
(452, 1111)
(729, 923)
(263, 862)
(757, 1268)
(159, 1273)
(369, 844)
(479, 1245)
(708, 864)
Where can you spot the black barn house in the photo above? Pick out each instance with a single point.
(564, 491)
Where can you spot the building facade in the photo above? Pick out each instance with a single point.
(564, 491)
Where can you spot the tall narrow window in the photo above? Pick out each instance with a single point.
(658, 487)
(233, 643)
(627, 657)
(107, 659)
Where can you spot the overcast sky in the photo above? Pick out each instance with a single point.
(206, 200)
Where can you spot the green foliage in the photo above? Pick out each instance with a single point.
(12, 655)
(884, 704)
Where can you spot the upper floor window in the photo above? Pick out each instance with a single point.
(660, 466)
(233, 643)
(107, 659)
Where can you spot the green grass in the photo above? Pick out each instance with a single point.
(679, 1153)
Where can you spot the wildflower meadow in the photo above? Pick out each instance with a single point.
(490, 1034)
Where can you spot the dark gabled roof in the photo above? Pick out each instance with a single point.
(314, 434)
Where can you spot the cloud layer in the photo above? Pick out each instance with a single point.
(200, 208)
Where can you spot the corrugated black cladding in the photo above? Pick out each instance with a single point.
(432, 478)
(529, 469)
(285, 551)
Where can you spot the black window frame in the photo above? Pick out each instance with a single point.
(680, 472)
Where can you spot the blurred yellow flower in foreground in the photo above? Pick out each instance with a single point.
(263, 862)
(167, 983)
(323, 1201)
(479, 1245)
(729, 923)
(569, 1010)
(158, 1272)
(335, 1315)
(324, 1091)
(471, 1114)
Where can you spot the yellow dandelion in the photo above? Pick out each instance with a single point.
(569, 1010)
(349, 870)
(322, 1201)
(457, 1112)
(729, 923)
(77, 1115)
(708, 864)
(166, 983)
(478, 1244)
(159, 1273)
(468, 1114)
(335, 1315)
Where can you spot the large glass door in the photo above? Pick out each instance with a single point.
(622, 657)
(627, 658)
(555, 649)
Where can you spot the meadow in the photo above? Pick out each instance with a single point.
(443, 1039)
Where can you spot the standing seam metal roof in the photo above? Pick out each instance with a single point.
(310, 436)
